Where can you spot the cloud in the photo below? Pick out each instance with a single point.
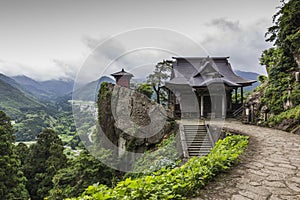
(243, 44)
(110, 55)
(67, 70)
(224, 24)
(56, 70)
(108, 48)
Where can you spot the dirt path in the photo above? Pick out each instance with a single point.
(269, 169)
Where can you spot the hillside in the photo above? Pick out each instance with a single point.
(251, 76)
(10, 81)
(30, 113)
(89, 91)
(44, 90)
(276, 102)
(57, 87)
(15, 103)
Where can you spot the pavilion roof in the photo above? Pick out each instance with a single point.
(122, 73)
(203, 71)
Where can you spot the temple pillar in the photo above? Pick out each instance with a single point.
(242, 95)
(202, 105)
(236, 93)
(224, 106)
(230, 101)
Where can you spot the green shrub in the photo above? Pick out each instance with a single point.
(177, 183)
(164, 155)
(146, 89)
(293, 113)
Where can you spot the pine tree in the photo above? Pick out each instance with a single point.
(12, 180)
(161, 73)
(44, 160)
(81, 172)
(281, 61)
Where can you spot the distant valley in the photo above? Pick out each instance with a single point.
(35, 105)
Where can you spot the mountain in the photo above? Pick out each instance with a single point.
(58, 87)
(16, 103)
(251, 76)
(44, 90)
(10, 81)
(89, 91)
(33, 87)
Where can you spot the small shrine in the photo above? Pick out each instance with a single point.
(122, 78)
(197, 75)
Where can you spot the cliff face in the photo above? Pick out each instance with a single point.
(130, 120)
(260, 114)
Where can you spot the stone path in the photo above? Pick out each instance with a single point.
(269, 168)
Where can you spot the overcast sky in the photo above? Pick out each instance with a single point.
(57, 39)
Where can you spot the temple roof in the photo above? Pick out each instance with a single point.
(203, 71)
(122, 73)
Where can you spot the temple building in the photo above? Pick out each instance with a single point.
(203, 86)
(122, 78)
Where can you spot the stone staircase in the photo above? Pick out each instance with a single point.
(198, 140)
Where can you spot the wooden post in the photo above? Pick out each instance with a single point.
(236, 93)
(242, 96)
(223, 106)
(230, 100)
(202, 105)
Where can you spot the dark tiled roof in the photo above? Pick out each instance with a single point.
(194, 70)
(216, 80)
(122, 73)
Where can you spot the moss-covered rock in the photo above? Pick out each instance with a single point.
(130, 115)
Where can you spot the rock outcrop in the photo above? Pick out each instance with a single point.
(130, 120)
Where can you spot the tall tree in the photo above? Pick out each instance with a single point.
(44, 160)
(81, 172)
(12, 180)
(146, 89)
(161, 73)
(286, 29)
(282, 91)
(22, 151)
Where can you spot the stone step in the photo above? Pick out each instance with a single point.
(195, 136)
(194, 129)
(198, 154)
(200, 150)
(197, 140)
(200, 134)
(194, 125)
(195, 132)
(199, 145)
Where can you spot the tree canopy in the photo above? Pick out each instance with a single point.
(44, 160)
(286, 29)
(80, 172)
(146, 89)
(12, 180)
(161, 73)
(281, 60)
